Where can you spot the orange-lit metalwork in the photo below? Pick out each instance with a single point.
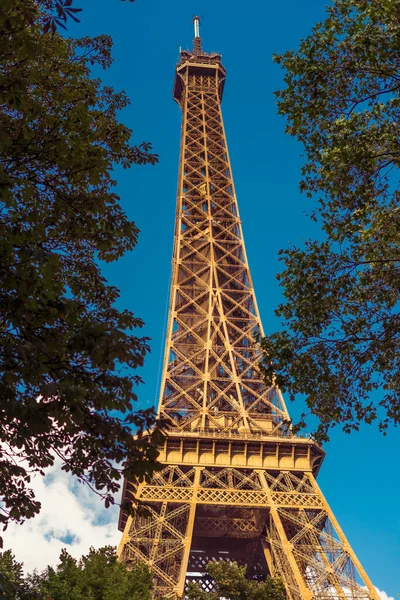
(237, 484)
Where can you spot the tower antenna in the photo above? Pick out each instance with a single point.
(197, 39)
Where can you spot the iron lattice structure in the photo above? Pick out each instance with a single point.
(237, 484)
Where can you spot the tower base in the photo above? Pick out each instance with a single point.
(274, 520)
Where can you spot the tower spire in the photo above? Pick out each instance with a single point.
(197, 49)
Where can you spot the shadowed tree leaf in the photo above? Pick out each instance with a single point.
(340, 344)
(68, 356)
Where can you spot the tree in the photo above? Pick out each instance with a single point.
(96, 576)
(231, 583)
(12, 582)
(58, 12)
(340, 346)
(67, 355)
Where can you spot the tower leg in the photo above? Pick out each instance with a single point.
(308, 549)
(162, 538)
(159, 540)
(372, 591)
(180, 588)
(292, 576)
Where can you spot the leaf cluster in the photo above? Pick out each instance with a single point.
(67, 354)
(13, 585)
(340, 345)
(231, 583)
(57, 13)
(62, 10)
(95, 576)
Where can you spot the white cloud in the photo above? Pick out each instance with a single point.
(383, 595)
(72, 517)
(331, 592)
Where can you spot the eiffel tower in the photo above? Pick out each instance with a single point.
(236, 483)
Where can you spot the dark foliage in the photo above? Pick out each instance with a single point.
(340, 345)
(67, 355)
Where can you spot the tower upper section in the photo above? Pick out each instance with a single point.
(211, 380)
(198, 68)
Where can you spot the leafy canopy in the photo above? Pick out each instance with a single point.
(96, 576)
(340, 345)
(67, 356)
(12, 582)
(231, 583)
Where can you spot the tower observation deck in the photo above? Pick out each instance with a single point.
(236, 483)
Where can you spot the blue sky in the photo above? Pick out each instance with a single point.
(359, 474)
